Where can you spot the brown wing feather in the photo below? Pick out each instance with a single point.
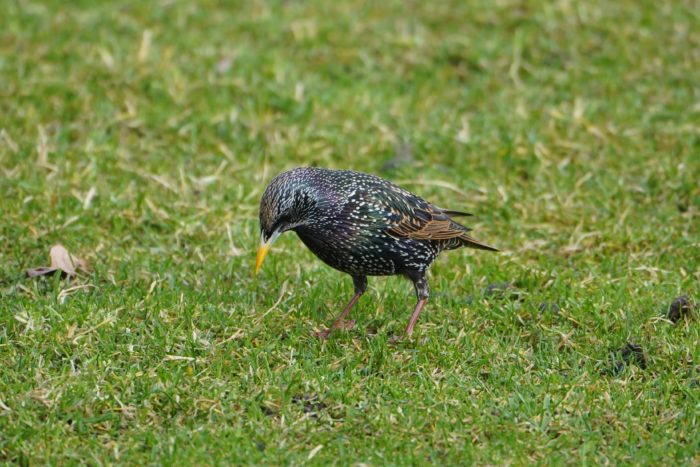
(430, 223)
(427, 224)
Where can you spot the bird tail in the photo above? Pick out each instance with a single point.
(452, 213)
(464, 239)
(470, 242)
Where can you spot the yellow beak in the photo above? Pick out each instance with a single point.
(262, 252)
(264, 248)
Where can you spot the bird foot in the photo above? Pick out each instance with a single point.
(344, 325)
(396, 338)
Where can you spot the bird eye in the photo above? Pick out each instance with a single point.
(281, 223)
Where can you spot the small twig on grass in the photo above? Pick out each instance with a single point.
(65, 293)
(4, 407)
(94, 328)
(279, 300)
(169, 358)
(234, 250)
(235, 335)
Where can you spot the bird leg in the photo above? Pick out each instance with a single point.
(339, 322)
(414, 317)
(420, 283)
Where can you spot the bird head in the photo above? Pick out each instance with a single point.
(286, 204)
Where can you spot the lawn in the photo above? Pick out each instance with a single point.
(140, 135)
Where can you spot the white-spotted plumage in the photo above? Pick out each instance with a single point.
(362, 225)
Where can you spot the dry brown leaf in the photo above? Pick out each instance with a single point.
(61, 261)
(41, 271)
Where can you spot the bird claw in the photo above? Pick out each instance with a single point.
(323, 335)
(344, 325)
(396, 338)
(403, 337)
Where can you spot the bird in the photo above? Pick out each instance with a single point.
(362, 225)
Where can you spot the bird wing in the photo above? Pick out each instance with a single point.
(423, 222)
(413, 217)
(400, 213)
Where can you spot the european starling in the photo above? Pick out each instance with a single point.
(362, 225)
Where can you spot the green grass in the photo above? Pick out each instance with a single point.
(570, 128)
